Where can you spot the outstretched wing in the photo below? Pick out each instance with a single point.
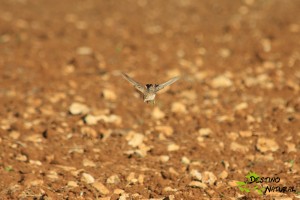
(169, 82)
(137, 85)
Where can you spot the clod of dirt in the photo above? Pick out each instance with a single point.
(221, 81)
(209, 177)
(109, 95)
(114, 179)
(164, 158)
(173, 147)
(265, 144)
(78, 108)
(185, 160)
(178, 107)
(72, 184)
(234, 146)
(223, 174)
(87, 178)
(88, 163)
(245, 133)
(134, 139)
(197, 184)
(101, 188)
(84, 51)
(204, 132)
(166, 130)
(196, 175)
(157, 113)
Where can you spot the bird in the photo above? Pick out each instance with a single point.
(149, 90)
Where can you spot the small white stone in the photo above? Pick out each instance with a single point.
(196, 175)
(197, 184)
(221, 82)
(185, 160)
(88, 131)
(209, 177)
(241, 106)
(87, 178)
(245, 133)
(223, 174)
(157, 113)
(164, 158)
(84, 51)
(166, 130)
(265, 144)
(204, 132)
(134, 139)
(100, 187)
(173, 147)
(88, 163)
(109, 95)
(91, 120)
(113, 179)
(14, 135)
(78, 108)
(21, 157)
(72, 184)
(234, 146)
(178, 107)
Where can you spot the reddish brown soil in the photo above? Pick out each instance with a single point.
(235, 109)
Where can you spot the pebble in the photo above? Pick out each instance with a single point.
(35, 162)
(164, 158)
(204, 132)
(266, 144)
(197, 184)
(166, 130)
(157, 113)
(173, 147)
(221, 82)
(21, 157)
(241, 106)
(88, 163)
(109, 95)
(118, 191)
(196, 175)
(291, 147)
(93, 120)
(89, 132)
(245, 133)
(234, 146)
(84, 51)
(223, 174)
(113, 179)
(52, 175)
(178, 107)
(72, 184)
(87, 178)
(209, 177)
(134, 139)
(232, 135)
(169, 189)
(14, 135)
(185, 160)
(100, 187)
(78, 108)
(36, 138)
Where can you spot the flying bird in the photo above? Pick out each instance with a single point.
(149, 90)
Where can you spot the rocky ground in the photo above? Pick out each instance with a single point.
(72, 128)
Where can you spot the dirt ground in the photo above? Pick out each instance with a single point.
(72, 128)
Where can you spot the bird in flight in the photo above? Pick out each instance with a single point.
(149, 90)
